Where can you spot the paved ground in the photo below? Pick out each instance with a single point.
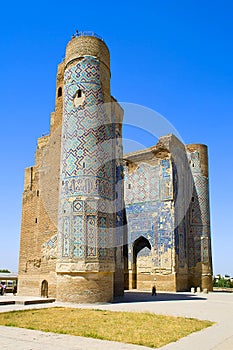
(216, 307)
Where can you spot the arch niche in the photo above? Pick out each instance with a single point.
(44, 289)
(138, 245)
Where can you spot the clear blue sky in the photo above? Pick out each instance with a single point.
(175, 57)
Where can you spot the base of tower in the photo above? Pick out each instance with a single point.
(85, 287)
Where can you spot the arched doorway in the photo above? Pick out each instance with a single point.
(44, 289)
(139, 245)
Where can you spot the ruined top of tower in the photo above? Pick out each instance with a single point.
(87, 33)
(85, 44)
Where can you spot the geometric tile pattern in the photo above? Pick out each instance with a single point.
(199, 240)
(88, 166)
(142, 184)
(166, 185)
(91, 237)
(66, 237)
(149, 182)
(156, 208)
(200, 207)
(102, 226)
(147, 215)
(78, 238)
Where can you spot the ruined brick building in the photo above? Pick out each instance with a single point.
(95, 222)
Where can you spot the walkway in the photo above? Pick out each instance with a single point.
(216, 307)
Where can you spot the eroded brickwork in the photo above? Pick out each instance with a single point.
(75, 207)
(74, 237)
(167, 206)
(199, 242)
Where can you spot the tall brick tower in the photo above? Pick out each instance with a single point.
(87, 203)
(199, 238)
(71, 236)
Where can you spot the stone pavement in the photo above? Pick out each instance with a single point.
(217, 307)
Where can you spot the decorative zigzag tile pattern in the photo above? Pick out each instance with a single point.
(199, 240)
(88, 167)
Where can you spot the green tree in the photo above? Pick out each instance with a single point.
(222, 282)
(5, 271)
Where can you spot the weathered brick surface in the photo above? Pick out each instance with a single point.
(38, 243)
(203, 157)
(95, 282)
(85, 287)
(186, 261)
(37, 260)
(81, 46)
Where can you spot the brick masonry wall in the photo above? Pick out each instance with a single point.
(177, 225)
(85, 287)
(200, 255)
(180, 258)
(82, 46)
(38, 239)
(38, 244)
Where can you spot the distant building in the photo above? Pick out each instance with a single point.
(10, 279)
(85, 237)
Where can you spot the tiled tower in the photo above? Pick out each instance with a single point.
(71, 232)
(199, 241)
(87, 203)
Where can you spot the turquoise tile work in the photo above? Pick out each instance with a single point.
(88, 167)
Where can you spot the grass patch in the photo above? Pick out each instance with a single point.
(146, 329)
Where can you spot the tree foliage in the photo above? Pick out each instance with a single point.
(4, 271)
(223, 282)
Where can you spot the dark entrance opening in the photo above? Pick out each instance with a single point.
(44, 289)
(59, 92)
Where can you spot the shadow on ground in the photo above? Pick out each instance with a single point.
(139, 296)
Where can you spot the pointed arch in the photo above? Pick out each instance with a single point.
(44, 289)
(139, 244)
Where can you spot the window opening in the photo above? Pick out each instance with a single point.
(59, 93)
